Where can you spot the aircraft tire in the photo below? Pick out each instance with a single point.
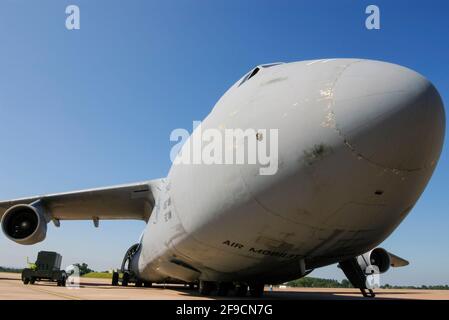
(241, 290)
(206, 287)
(256, 290)
(223, 289)
(63, 281)
(115, 277)
(125, 279)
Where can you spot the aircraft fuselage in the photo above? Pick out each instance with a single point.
(358, 141)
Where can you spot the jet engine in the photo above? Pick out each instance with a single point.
(359, 269)
(378, 257)
(25, 223)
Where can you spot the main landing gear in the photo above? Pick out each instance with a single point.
(356, 276)
(238, 289)
(127, 275)
(128, 278)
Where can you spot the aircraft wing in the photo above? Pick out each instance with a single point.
(129, 201)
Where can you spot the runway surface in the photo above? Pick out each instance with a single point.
(12, 288)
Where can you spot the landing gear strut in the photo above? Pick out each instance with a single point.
(356, 276)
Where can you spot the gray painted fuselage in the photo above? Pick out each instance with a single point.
(358, 142)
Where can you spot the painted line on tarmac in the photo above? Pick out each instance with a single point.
(34, 288)
(60, 295)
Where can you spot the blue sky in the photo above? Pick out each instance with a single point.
(95, 106)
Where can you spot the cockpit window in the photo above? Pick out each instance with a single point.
(256, 70)
(271, 65)
(252, 74)
(249, 75)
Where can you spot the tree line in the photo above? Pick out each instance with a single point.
(310, 282)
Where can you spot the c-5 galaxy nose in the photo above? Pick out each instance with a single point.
(389, 115)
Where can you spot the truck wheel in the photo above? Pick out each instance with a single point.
(61, 282)
(138, 283)
(147, 284)
(115, 278)
(32, 280)
(26, 281)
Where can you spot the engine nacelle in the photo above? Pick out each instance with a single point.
(378, 257)
(25, 224)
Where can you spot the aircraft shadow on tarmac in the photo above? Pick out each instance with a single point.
(326, 294)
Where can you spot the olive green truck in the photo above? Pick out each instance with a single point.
(47, 268)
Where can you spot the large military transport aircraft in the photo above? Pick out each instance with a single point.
(358, 141)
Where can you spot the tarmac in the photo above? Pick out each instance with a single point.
(12, 288)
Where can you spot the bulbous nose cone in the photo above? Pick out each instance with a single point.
(389, 115)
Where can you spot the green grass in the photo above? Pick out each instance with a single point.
(98, 275)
